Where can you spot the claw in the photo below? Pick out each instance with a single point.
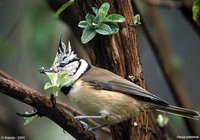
(85, 125)
(97, 127)
(95, 135)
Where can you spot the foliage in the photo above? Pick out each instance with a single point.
(58, 80)
(63, 7)
(137, 19)
(100, 23)
(162, 120)
(29, 119)
(196, 11)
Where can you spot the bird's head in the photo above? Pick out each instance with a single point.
(65, 60)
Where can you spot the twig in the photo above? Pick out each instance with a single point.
(29, 115)
(62, 105)
(45, 107)
(6, 76)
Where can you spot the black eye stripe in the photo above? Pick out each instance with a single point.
(64, 64)
(75, 59)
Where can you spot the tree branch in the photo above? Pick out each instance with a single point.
(44, 105)
(60, 104)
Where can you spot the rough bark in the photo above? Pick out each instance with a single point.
(118, 53)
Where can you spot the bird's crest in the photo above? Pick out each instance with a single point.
(64, 54)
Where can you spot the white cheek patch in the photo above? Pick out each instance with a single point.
(83, 67)
(71, 68)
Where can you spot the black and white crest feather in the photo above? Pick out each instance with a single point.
(64, 54)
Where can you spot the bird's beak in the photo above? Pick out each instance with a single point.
(43, 70)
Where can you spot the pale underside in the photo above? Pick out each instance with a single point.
(113, 106)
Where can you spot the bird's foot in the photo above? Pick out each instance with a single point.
(86, 127)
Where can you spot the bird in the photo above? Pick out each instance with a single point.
(104, 96)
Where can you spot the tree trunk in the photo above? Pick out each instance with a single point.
(118, 53)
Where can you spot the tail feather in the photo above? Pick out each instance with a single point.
(188, 113)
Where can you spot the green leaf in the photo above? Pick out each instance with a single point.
(28, 119)
(89, 18)
(63, 7)
(55, 88)
(95, 10)
(162, 120)
(63, 79)
(104, 29)
(114, 27)
(103, 10)
(64, 82)
(96, 22)
(58, 80)
(83, 24)
(100, 23)
(47, 85)
(53, 77)
(88, 34)
(196, 11)
(115, 18)
(63, 75)
(137, 19)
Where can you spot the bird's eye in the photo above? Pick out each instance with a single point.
(62, 64)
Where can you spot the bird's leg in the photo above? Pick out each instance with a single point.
(103, 115)
(97, 127)
(88, 117)
(85, 125)
(93, 129)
